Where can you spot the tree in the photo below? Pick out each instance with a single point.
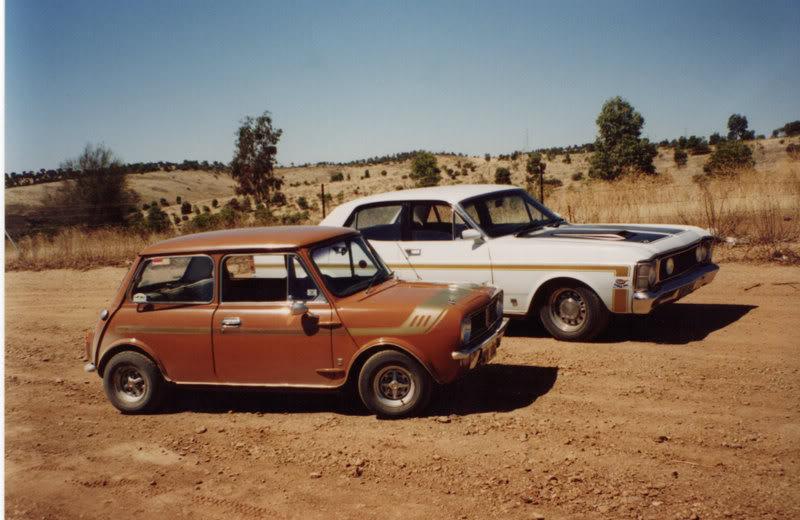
(424, 170)
(253, 164)
(98, 195)
(186, 207)
(737, 128)
(680, 157)
(502, 176)
(730, 158)
(790, 129)
(618, 149)
(535, 168)
(715, 138)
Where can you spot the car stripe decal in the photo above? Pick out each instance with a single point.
(618, 270)
(422, 319)
(162, 330)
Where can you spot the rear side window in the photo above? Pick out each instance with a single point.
(267, 278)
(175, 279)
(378, 222)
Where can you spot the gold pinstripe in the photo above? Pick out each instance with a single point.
(618, 270)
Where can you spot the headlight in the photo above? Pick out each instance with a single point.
(669, 267)
(645, 276)
(466, 330)
(700, 253)
(499, 306)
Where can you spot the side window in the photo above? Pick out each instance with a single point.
(266, 278)
(378, 222)
(301, 286)
(431, 221)
(254, 278)
(175, 279)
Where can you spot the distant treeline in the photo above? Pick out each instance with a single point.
(28, 178)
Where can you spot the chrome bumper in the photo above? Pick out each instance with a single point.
(484, 350)
(673, 290)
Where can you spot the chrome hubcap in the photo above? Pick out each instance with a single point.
(129, 384)
(394, 386)
(567, 309)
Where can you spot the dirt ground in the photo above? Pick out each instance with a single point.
(693, 412)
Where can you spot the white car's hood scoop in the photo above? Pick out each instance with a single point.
(609, 232)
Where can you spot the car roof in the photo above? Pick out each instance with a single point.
(452, 194)
(278, 237)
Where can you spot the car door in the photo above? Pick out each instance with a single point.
(258, 338)
(382, 225)
(168, 310)
(433, 246)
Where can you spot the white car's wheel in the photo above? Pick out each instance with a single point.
(573, 312)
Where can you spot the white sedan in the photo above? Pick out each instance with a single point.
(570, 276)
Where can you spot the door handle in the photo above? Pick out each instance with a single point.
(413, 252)
(231, 322)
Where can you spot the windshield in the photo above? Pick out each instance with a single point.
(349, 266)
(506, 212)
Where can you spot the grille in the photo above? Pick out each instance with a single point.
(483, 318)
(684, 261)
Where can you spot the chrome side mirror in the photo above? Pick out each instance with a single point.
(471, 234)
(299, 308)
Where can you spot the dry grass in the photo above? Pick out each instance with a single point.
(76, 248)
(758, 210)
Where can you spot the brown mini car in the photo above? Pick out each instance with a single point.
(304, 307)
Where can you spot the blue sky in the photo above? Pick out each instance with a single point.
(171, 80)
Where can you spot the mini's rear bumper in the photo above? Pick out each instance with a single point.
(673, 290)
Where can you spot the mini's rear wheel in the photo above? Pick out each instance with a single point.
(133, 383)
(392, 384)
(573, 312)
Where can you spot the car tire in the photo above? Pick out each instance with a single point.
(394, 385)
(133, 383)
(573, 312)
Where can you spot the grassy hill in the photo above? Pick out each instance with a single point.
(763, 205)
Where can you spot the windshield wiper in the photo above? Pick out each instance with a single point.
(373, 279)
(533, 226)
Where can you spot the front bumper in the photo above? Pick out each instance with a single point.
(482, 351)
(673, 290)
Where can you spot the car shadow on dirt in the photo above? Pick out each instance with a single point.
(492, 388)
(674, 324)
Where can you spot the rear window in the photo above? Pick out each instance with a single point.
(175, 279)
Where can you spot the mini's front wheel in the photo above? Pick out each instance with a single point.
(133, 383)
(392, 384)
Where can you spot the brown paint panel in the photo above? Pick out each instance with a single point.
(620, 300)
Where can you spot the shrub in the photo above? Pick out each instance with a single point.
(577, 176)
(552, 181)
(337, 176)
(567, 159)
(184, 218)
(196, 209)
(302, 203)
(729, 158)
(366, 174)
(145, 206)
(680, 157)
(278, 198)
(794, 151)
(502, 176)
(233, 203)
(292, 218)
(186, 207)
(715, 138)
(178, 199)
(424, 170)
(214, 203)
(206, 209)
(164, 202)
(263, 215)
(156, 221)
(383, 173)
(487, 157)
(176, 219)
